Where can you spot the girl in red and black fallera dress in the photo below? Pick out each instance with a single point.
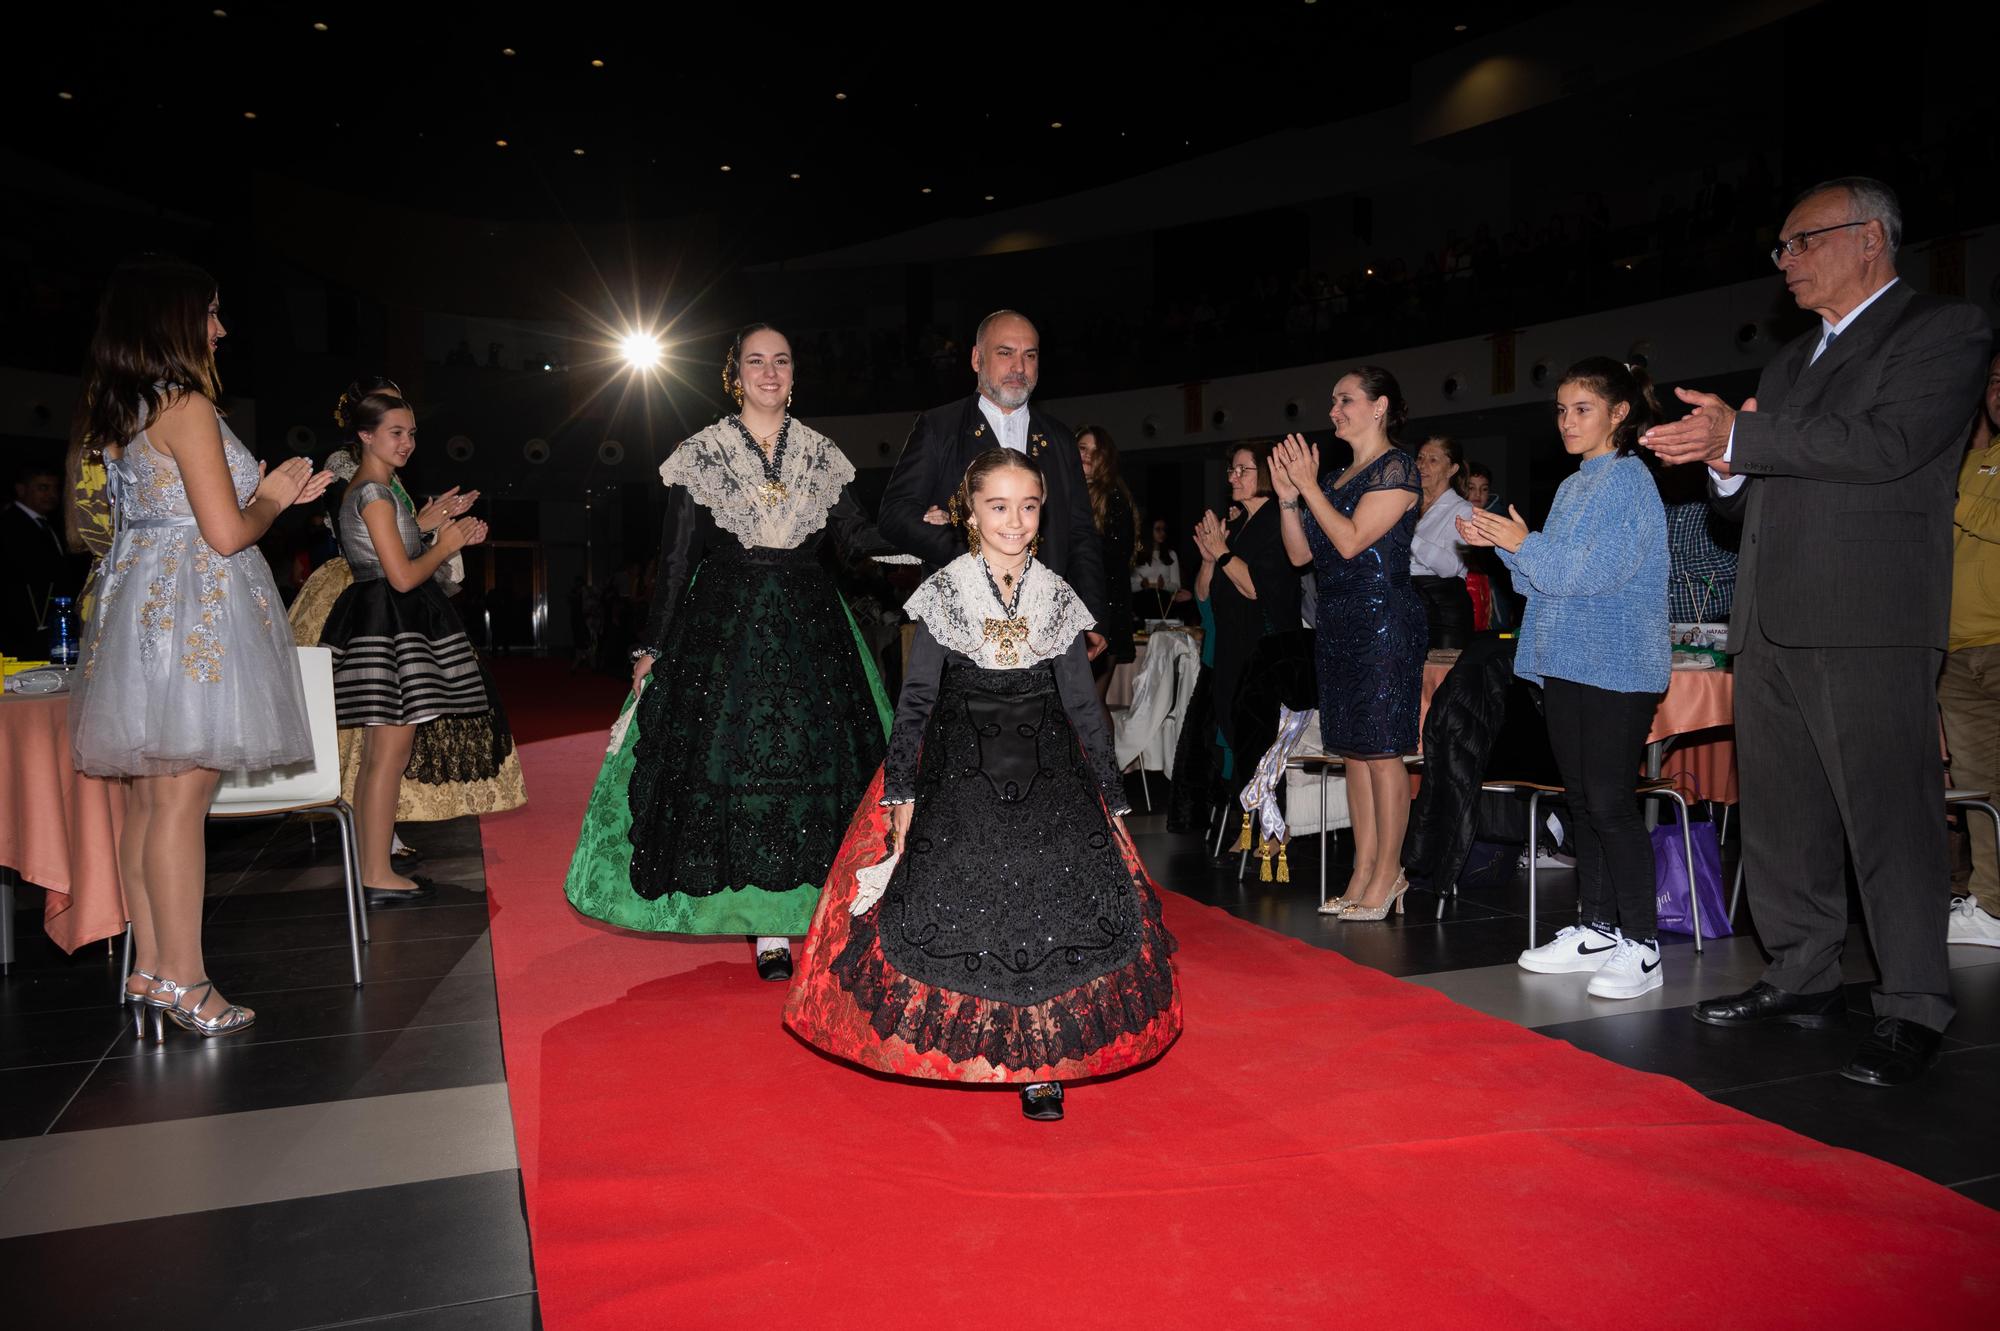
(1014, 936)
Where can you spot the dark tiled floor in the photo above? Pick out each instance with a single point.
(433, 1254)
(312, 1262)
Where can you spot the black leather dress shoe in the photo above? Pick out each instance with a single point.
(1766, 1002)
(378, 897)
(1042, 1101)
(1895, 1053)
(774, 963)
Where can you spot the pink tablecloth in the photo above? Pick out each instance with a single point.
(1698, 713)
(58, 828)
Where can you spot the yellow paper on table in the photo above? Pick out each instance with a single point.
(13, 666)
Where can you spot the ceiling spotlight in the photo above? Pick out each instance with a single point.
(725, 166)
(220, 13)
(506, 50)
(926, 190)
(597, 64)
(1458, 27)
(989, 198)
(67, 96)
(577, 151)
(1055, 124)
(795, 175)
(319, 27)
(642, 350)
(840, 97)
(499, 143)
(249, 115)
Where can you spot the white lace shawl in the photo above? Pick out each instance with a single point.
(722, 470)
(956, 605)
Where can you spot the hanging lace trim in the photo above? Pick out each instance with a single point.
(1064, 1028)
(725, 474)
(959, 609)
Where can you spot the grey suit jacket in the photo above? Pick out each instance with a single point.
(1852, 464)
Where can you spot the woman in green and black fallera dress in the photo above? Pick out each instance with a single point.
(757, 720)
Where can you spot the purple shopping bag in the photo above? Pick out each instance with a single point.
(1670, 880)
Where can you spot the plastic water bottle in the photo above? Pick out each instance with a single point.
(64, 632)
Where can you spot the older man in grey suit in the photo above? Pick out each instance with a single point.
(1842, 471)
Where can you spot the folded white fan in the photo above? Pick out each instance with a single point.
(874, 881)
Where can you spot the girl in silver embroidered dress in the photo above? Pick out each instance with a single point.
(187, 669)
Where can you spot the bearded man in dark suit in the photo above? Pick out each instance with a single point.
(1006, 360)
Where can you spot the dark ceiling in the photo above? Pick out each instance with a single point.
(831, 120)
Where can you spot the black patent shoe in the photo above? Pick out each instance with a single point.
(378, 897)
(1895, 1053)
(774, 963)
(1766, 1002)
(1042, 1101)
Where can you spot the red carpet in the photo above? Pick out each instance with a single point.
(1325, 1146)
(545, 699)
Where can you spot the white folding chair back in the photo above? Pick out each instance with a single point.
(309, 787)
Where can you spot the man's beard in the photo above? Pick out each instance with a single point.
(1011, 398)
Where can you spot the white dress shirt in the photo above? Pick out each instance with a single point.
(47, 524)
(1729, 485)
(1435, 549)
(1010, 428)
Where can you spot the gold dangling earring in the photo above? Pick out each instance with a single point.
(972, 538)
(788, 398)
(736, 391)
(1035, 546)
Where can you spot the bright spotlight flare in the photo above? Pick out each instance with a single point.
(642, 350)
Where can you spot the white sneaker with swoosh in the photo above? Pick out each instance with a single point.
(1634, 969)
(1580, 947)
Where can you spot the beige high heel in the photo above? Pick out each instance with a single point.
(1381, 912)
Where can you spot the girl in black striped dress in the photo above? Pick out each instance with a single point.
(400, 656)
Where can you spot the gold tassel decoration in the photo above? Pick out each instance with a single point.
(1284, 869)
(1264, 858)
(1243, 839)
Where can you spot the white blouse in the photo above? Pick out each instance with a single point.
(1435, 551)
(1155, 570)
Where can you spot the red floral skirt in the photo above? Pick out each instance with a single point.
(849, 1001)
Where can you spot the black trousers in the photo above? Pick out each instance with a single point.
(1837, 752)
(1447, 610)
(1599, 738)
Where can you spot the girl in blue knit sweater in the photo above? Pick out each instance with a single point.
(1595, 638)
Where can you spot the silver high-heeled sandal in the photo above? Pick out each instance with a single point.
(137, 1002)
(231, 1020)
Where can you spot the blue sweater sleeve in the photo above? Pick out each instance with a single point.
(1594, 545)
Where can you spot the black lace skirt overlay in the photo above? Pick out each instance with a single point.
(757, 735)
(1012, 887)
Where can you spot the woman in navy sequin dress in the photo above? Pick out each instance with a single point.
(1370, 629)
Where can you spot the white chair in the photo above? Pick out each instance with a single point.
(312, 787)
